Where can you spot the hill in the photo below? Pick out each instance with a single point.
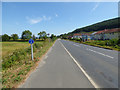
(107, 24)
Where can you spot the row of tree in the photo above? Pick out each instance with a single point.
(6, 37)
(26, 35)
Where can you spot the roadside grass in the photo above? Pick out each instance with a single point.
(16, 67)
(9, 47)
(107, 44)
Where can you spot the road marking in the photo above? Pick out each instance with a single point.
(100, 53)
(76, 45)
(88, 77)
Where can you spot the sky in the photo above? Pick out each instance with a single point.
(54, 17)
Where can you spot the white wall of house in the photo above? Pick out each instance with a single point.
(111, 35)
(97, 36)
(77, 36)
(106, 36)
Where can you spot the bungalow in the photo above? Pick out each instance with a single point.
(112, 33)
(77, 35)
(83, 36)
(106, 34)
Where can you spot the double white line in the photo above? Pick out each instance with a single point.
(88, 77)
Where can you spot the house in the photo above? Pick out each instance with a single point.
(85, 36)
(111, 34)
(77, 35)
(92, 36)
(106, 34)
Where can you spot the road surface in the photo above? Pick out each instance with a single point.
(73, 65)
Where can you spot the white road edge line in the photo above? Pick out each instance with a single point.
(88, 77)
(100, 53)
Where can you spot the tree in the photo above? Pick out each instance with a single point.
(26, 34)
(34, 38)
(14, 36)
(5, 37)
(0, 38)
(42, 35)
(53, 37)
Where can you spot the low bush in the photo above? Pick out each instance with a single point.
(18, 56)
(112, 44)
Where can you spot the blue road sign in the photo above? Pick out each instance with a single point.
(31, 41)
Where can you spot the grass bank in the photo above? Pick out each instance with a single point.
(17, 66)
(113, 44)
(107, 44)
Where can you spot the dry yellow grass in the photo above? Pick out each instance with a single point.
(9, 47)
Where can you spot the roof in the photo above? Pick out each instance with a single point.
(77, 34)
(112, 30)
(86, 34)
(80, 34)
(108, 31)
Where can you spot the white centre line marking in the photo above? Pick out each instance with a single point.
(88, 77)
(100, 53)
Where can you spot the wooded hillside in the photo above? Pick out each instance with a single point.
(108, 24)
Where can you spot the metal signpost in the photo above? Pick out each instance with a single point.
(31, 42)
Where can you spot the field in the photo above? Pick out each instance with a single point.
(9, 47)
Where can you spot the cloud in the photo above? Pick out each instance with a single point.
(46, 18)
(56, 15)
(96, 6)
(38, 19)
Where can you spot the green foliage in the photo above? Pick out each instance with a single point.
(108, 24)
(38, 45)
(4, 80)
(26, 34)
(19, 56)
(34, 38)
(5, 37)
(14, 37)
(53, 37)
(111, 44)
(11, 60)
(42, 35)
(18, 64)
(17, 79)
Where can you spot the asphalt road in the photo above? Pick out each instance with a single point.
(72, 65)
(57, 70)
(100, 64)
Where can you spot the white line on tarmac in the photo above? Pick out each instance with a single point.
(88, 77)
(76, 45)
(100, 53)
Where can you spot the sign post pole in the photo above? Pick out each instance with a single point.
(31, 42)
(31, 51)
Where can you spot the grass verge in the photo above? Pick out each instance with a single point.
(107, 44)
(17, 66)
